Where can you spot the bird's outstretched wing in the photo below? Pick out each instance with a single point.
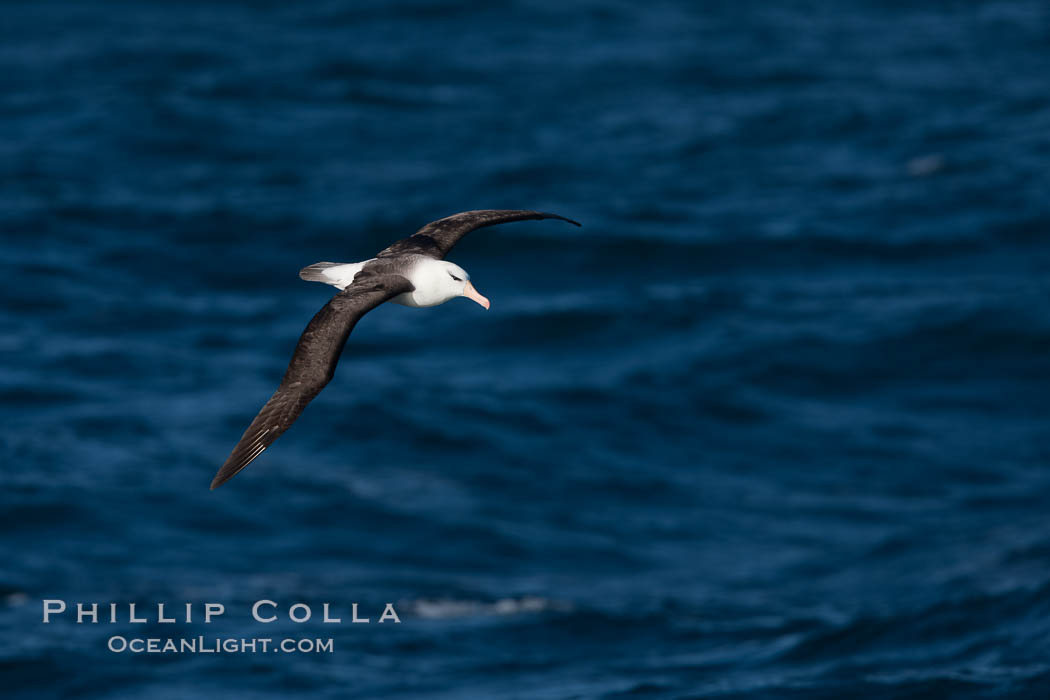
(437, 238)
(312, 365)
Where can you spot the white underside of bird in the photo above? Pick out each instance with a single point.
(435, 281)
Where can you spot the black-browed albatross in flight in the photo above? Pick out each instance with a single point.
(411, 272)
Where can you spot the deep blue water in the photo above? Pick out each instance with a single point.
(773, 424)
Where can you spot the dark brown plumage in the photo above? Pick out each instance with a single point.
(437, 238)
(317, 353)
(311, 367)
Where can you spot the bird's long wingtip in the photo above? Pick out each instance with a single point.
(251, 445)
(233, 466)
(222, 477)
(549, 215)
(226, 473)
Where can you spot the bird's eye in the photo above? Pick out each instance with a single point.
(454, 277)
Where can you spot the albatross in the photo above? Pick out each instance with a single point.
(411, 272)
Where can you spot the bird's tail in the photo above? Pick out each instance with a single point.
(315, 272)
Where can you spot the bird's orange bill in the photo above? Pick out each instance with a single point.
(470, 293)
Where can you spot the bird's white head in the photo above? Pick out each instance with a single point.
(438, 281)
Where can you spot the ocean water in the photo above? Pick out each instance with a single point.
(773, 423)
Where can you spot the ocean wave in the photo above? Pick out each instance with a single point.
(448, 608)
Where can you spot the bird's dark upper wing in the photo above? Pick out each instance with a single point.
(437, 238)
(312, 364)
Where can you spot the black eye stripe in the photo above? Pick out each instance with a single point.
(454, 277)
